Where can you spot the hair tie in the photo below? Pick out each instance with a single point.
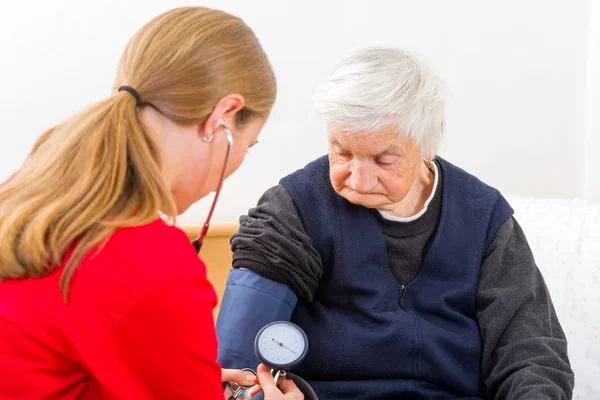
(138, 98)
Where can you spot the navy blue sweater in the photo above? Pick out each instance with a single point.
(522, 327)
(420, 339)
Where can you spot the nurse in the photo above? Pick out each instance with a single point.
(100, 295)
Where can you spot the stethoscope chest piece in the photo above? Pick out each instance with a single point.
(241, 392)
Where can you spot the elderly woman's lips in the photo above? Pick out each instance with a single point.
(361, 193)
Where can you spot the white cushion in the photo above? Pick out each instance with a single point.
(565, 239)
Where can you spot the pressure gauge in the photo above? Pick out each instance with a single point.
(281, 345)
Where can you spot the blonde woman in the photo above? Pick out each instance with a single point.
(100, 297)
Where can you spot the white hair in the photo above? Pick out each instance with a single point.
(376, 87)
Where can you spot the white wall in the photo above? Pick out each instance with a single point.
(520, 117)
(591, 188)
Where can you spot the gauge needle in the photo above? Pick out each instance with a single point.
(283, 345)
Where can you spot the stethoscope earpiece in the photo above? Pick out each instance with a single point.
(220, 124)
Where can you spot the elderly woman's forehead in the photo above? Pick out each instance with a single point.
(348, 137)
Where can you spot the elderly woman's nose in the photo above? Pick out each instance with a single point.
(361, 179)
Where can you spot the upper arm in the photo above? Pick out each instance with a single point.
(524, 347)
(165, 346)
(273, 243)
(249, 303)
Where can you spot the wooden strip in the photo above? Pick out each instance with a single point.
(217, 229)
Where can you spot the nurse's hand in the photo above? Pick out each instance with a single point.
(238, 376)
(287, 389)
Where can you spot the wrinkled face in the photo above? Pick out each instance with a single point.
(372, 169)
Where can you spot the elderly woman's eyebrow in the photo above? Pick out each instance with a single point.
(335, 142)
(392, 150)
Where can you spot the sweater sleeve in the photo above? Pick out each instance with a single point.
(524, 347)
(165, 347)
(272, 242)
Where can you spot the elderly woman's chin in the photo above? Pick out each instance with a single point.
(368, 200)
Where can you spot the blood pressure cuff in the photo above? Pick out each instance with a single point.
(249, 303)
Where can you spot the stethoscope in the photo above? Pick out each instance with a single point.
(241, 392)
(200, 239)
(281, 345)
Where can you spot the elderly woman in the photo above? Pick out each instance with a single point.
(410, 277)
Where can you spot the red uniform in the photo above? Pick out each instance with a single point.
(138, 325)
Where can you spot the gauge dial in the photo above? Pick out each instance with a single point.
(281, 345)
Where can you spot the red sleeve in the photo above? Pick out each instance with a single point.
(165, 347)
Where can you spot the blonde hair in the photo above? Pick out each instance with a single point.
(99, 170)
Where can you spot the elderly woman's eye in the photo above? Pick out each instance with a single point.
(387, 161)
(342, 156)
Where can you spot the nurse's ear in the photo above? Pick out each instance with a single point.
(223, 114)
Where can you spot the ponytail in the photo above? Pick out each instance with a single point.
(100, 171)
(85, 178)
